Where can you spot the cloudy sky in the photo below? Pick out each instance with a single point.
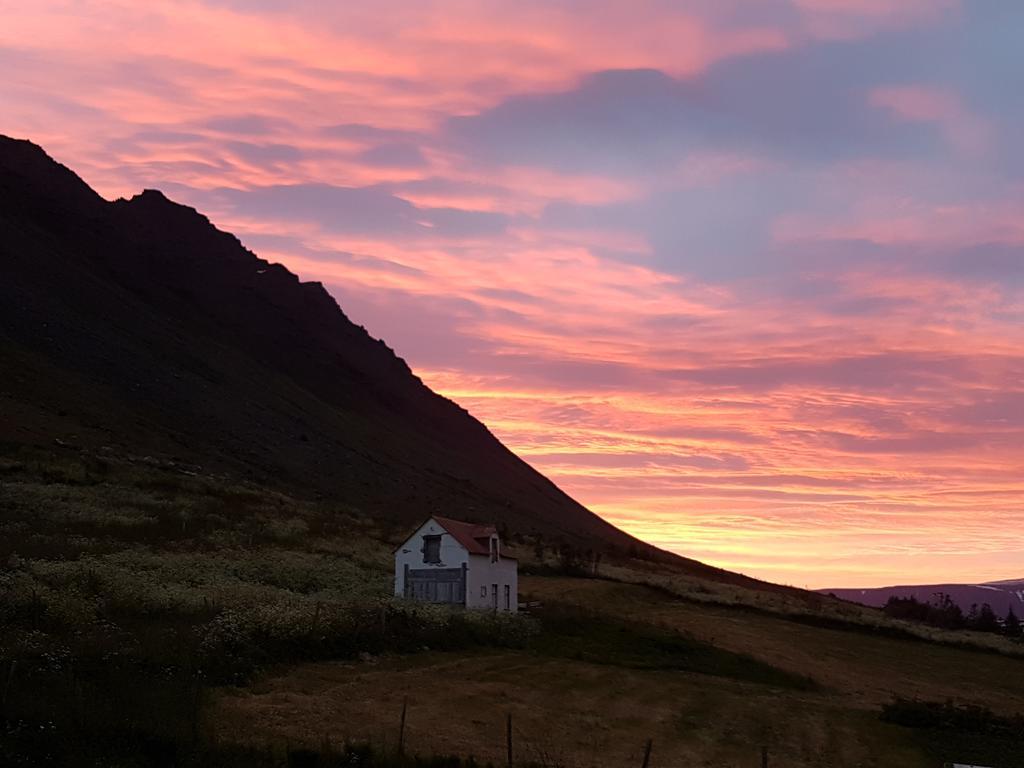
(746, 277)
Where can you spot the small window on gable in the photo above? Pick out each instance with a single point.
(494, 550)
(431, 549)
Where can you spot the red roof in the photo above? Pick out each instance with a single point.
(475, 538)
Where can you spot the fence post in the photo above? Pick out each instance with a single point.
(197, 696)
(401, 727)
(7, 688)
(647, 753)
(508, 738)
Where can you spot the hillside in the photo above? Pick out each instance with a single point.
(146, 612)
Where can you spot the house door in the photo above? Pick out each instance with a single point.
(436, 585)
(494, 597)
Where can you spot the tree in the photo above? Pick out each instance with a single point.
(945, 613)
(908, 608)
(1012, 625)
(940, 611)
(983, 619)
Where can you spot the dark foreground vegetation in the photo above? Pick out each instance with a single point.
(974, 733)
(131, 748)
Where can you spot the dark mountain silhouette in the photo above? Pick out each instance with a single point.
(1001, 595)
(136, 326)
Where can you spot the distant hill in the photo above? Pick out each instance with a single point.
(1001, 595)
(138, 326)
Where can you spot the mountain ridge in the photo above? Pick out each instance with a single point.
(1000, 595)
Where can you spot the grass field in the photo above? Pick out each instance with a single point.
(866, 668)
(600, 710)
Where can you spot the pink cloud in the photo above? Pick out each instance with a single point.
(902, 221)
(912, 103)
(848, 19)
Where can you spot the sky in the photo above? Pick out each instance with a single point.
(745, 277)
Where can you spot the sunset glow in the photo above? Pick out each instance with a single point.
(746, 278)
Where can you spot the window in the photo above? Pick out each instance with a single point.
(508, 598)
(483, 591)
(494, 550)
(431, 549)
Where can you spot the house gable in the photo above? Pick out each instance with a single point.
(451, 551)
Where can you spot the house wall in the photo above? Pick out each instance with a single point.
(482, 574)
(453, 554)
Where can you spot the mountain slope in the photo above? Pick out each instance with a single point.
(139, 318)
(137, 326)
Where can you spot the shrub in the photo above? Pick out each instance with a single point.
(242, 640)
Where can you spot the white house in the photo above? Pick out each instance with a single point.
(449, 561)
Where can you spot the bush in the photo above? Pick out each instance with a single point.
(240, 641)
(960, 733)
(947, 716)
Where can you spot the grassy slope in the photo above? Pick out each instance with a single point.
(868, 668)
(133, 586)
(599, 711)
